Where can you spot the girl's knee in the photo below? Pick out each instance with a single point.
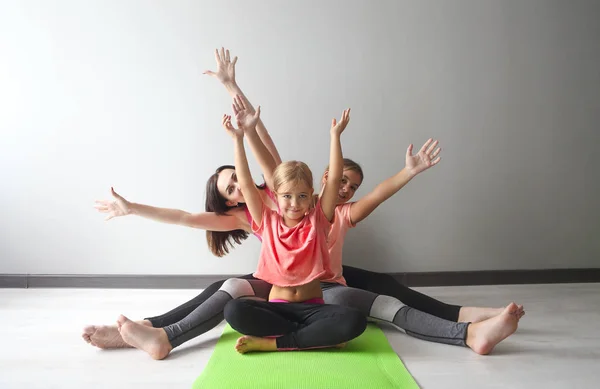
(360, 322)
(354, 323)
(234, 311)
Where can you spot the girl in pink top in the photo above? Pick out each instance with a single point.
(294, 254)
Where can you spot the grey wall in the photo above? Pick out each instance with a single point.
(102, 93)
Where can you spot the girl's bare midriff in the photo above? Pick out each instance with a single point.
(297, 294)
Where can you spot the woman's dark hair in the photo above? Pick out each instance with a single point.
(220, 242)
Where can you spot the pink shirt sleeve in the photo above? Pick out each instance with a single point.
(265, 222)
(347, 220)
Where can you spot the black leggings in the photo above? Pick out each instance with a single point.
(378, 283)
(297, 325)
(387, 285)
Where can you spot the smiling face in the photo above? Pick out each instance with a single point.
(229, 187)
(293, 184)
(294, 200)
(349, 184)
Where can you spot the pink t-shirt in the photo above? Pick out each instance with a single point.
(341, 224)
(293, 256)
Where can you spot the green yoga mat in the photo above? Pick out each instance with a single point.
(366, 362)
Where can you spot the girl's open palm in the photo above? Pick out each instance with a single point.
(243, 116)
(424, 159)
(231, 131)
(339, 127)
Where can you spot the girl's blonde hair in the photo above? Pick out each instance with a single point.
(292, 171)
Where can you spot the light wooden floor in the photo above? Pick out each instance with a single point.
(557, 344)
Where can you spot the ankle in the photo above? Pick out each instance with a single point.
(461, 315)
(471, 335)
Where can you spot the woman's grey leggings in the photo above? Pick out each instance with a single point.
(376, 307)
(210, 313)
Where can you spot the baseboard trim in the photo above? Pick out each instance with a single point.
(486, 277)
(13, 281)
(109, 281)
(500, 277)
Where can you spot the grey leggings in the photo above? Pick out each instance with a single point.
(376, 307)
(210, 313)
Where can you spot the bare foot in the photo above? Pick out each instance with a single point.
(249, 343)
(520, 312)
(104, 337)
(107, 337)
(253, 343)
(482, 337)
(154, 341)
(87, 333)
(477, 314)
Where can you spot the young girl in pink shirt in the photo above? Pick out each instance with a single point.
(294, 254)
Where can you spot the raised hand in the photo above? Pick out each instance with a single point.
(231, 131)
(116, 208)
(245, 118)
(338, 127)
(225, 68)
(424, 159)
